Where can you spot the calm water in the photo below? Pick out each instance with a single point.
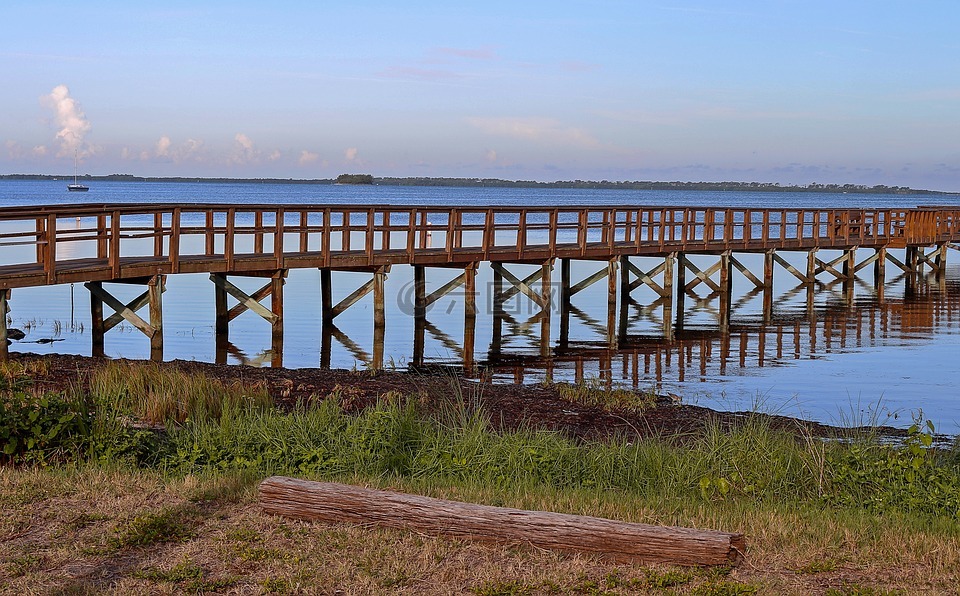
(829, 355)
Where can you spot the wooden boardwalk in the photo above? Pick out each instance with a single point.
(141, 244)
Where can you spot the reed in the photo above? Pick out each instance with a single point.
(159, 394)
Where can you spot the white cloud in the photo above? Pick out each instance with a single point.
(70, 118)
(245, 150)
(163, 146)
(307, 157)
(351, 154)
(39, 150)
(275, 155)
(491, 155)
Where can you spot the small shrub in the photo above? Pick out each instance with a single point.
(41, 428)
(912, 476)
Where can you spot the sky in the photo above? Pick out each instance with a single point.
(792, 92)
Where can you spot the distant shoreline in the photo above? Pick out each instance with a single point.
(497, 183)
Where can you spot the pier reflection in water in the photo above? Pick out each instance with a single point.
(658, 342)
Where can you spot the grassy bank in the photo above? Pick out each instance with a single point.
(146, 481)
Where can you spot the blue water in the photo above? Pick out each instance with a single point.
(847, 359)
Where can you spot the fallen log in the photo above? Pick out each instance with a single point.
(334, 502)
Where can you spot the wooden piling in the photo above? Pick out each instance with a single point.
(4, 307)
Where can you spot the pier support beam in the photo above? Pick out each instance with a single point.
(632, 277)
(128, 312)
(253, 302)
(423, 302)
(568, 290)
(543, 299)
(330, 311)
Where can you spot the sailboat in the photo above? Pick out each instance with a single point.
(76, 186)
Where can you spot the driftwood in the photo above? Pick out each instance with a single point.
(333, 502)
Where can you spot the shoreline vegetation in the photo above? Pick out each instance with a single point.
(368, 179)
(135, 477)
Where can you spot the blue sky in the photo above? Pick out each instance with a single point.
(773, 91)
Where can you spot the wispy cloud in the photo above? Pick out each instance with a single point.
(539, 130)
(351, 154)
(419, 74)
(482, 53)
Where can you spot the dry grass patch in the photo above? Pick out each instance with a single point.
(64, 538)
(157, 394)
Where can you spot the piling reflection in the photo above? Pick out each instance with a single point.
(805, 322)
(664, 341)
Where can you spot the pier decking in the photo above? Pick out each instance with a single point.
(142, 244)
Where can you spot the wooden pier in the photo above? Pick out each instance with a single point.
(142, 244)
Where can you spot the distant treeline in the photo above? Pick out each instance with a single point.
(497, 183)
(355, 179)
(650, 185)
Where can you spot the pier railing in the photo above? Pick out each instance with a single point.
(54, 244)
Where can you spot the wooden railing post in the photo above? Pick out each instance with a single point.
(258, 232)
(158, 234)
(489, 232)
(50, 258)
(175, 241)
(209, 235)
(278, 238)
(451, 232)
(228, 237)
(325, 240)
(370, 230)
(304, 226)
(114, 259)
(101, 236)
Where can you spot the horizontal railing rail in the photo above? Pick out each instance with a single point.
(53, 237)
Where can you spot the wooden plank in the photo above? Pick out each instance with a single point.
(134, 305)
(259, 295)
(352, 299)
(445, 289)
(129, 315)
(521, 286)
(746, 272)
(702, 276)
(823, 266)
(586, 283)
(793, 270)
(222, 282)
(340, 503)
(647, 278)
